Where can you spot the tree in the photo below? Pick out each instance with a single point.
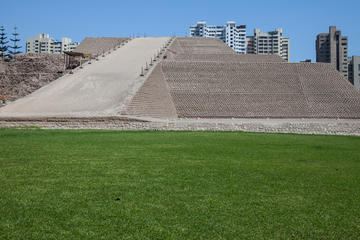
(3, 42)
(14, 52)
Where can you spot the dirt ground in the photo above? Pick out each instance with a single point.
(29, 73)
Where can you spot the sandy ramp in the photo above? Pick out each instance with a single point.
(102, 88)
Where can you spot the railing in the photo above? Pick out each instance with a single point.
(146, 68)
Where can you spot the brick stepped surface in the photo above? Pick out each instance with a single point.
(206, 79)
(252, 90)
(29, 73)
(153, 99)
(213, 50)
(245, 58)
(99, 45)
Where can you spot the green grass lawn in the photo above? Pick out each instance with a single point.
(62, 184)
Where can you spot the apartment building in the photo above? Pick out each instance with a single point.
(232, 34)
(332, 48)
(236, 37)
(202, 30)
(354, 71)
(269, 43)
(42, 43)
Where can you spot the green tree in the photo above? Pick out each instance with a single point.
(3, 42)
(15, 48)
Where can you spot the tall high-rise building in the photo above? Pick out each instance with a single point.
(42, 43)
(354, 71)
(269, 43)
(232, 34)
(332, 48)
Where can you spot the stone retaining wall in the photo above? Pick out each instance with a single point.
(304, 126)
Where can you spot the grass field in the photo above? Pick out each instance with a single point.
(64, 184)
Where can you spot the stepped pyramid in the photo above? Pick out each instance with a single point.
(203, 78)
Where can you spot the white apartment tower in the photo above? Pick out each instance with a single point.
(236, 37)
(269, 43)
(233, 35)
(42, 43)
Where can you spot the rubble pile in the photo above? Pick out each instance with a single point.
(29, 73)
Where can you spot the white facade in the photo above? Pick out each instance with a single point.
(67, 45)
(236, 37)
(215, 32)
(269, 43)
(233, 35)
(42, 43)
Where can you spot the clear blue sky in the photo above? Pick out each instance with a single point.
(301, 20)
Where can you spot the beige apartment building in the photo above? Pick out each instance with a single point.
(42, 43)
(269, 43)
